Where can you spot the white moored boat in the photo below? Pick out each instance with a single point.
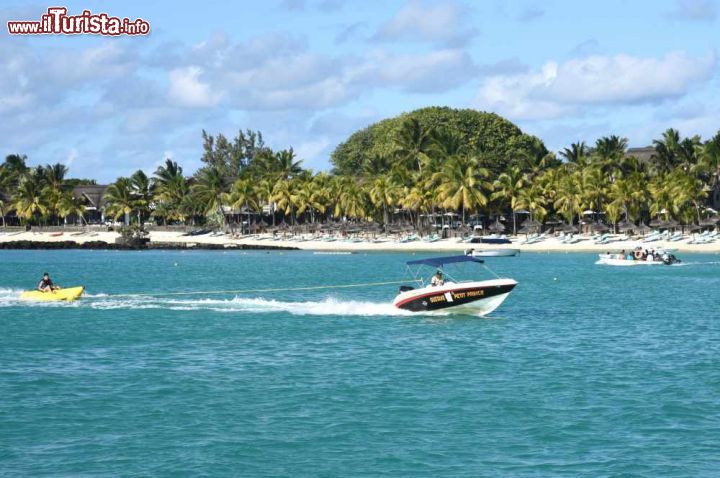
(493, 252)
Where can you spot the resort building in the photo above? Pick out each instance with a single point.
(93, 196)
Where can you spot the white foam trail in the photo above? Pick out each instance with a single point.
(9, 297)
(330, 306)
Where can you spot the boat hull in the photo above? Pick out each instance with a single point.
(473, 298)
(627, 263)
(496, 253)
(67, 294)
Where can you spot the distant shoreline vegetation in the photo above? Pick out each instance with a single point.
(472, 167)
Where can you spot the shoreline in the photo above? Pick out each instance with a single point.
(175, 240)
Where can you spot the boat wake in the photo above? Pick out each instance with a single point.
(328, 306)
(9, 297)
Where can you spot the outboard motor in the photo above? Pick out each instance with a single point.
(671, 259)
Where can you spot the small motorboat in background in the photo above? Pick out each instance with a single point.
(493, 252)
(491, 239)
(639, 257)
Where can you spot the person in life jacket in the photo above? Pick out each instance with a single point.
(46, 284)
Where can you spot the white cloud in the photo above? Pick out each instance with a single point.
(186, 89)
(433, 71)
(558, 88)
(694, 10)
(424, 21)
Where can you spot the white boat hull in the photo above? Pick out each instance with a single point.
(496, 253)
(627, 263)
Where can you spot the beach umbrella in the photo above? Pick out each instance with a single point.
(497, 226)
(626, 225)
(642, 228)
(657, 222)
(670, 223)
(263, 224)
(693, 227)
(599, 227)
(531, 223)
(564, 227)
(527, 229)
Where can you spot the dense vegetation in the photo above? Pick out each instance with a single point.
(494, 140)
(432, 161)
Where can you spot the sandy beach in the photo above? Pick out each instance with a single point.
(380, 243)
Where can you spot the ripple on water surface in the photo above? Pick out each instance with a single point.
(585, 370)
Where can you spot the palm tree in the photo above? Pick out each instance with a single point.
(11, 171)
(243, 195)
(287, 166)
(461, 182)
(594, 187)
(119, 199)
(710, 159)
(384, 193)
(376, 165)
(71, 205)
(533, 199)
(310, 196)
(507, 188)
(448, 143)
(142, 190)
(568, 200)
(577, 153)
(210, 190)
(414, 144)
(665, 157)
(352, 198)
(170, 188)
(283, 197)
(28, 199)
(628, 195)
(54, 187)
(265, 188)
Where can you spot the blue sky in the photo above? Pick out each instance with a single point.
(307, 73)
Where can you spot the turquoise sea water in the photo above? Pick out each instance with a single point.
(584, 371)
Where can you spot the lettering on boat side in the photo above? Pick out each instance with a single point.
(468, 294)
(437, 298)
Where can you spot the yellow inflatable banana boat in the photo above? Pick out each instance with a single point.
(69, 293)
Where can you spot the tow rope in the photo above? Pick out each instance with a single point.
(247, 291)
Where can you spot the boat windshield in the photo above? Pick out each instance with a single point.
(439, 263)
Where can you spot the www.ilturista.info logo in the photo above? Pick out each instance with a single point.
(57, 22)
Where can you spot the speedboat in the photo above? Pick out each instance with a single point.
(66, 294)
(493, 253)
(475, 297)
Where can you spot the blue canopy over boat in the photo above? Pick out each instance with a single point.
(440, 261)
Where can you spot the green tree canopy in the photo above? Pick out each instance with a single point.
(500, 141)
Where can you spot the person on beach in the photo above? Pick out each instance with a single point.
(46, 284)
(437, 279)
